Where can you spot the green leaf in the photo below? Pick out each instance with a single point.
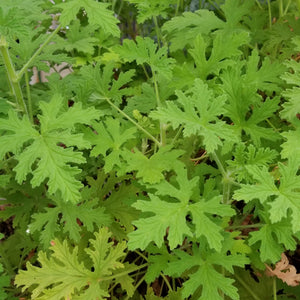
(249, 156)
(292, 106)
(53, 161)
(116, 196)
(147, 9)
(110, 141)
(63, 275)
(274, 239)
(119, 207)
(97, 13)
(265, 75)
(218, 59)
(69, 219)
(183, 29)
(100, 84)
(198, 111)
(250, 286)
(234, 11)
(203, 272)
(4, 280)
(17, 15)
(291, 147)
(145, 51)
(79, 38)
(286, 197)
(150, 169)
(169, 213)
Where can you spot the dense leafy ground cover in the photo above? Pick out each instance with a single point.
(165, 165)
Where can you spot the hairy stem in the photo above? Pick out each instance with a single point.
(245, 226)
(124, 273)
(133, 122)
(29, 102)
(38, 51)
(227, 181)
(245, 285)
(280, 8)
(12, 75)
(163, 126)
(274, 288)
(270, 13)
(157, 30)
(177, 134)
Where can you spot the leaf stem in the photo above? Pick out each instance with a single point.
(163, 126)
(270, 13)
(274, 288)
(298, 5)
(280, 7)
(37, 52)
(258, 4)
(123, 273)
(145, 71)
(133, 122)
(29, 102)
(245, 226)
(219, 164)
(166, 281)
(287, 7)
(157, 30)
(177, 134)
(245, 285)
(161, 274)
(12, 75)
(227, 182)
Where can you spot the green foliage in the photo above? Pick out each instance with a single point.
(57, 129)
(98, 14)
(198, 111)
(160, 160)
(171, 215)
(286, 196)
(4, 280)
(145, 51)
(152, 8)
(205, 274)
(70, 276)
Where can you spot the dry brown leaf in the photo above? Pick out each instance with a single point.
(284, 271)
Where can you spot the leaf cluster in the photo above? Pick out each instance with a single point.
(159, 159)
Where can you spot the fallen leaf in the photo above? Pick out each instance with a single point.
(284, 271)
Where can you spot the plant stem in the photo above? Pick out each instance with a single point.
(245, 226)
(37, 52)
(258, 4)
(158, 33)
(227, 182)
(298, 5)
(245, 285)
(287, 7)
(12, 75)
(124, 273)
(274, 288)
(166, 281)
(280, 7)
(163, 130)
(161, 274)
(145, 71)
(133, 122)
(219, 164)
(29, 102)
(226, 191)
(177, 7)
(270, 13)
(177, 134)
